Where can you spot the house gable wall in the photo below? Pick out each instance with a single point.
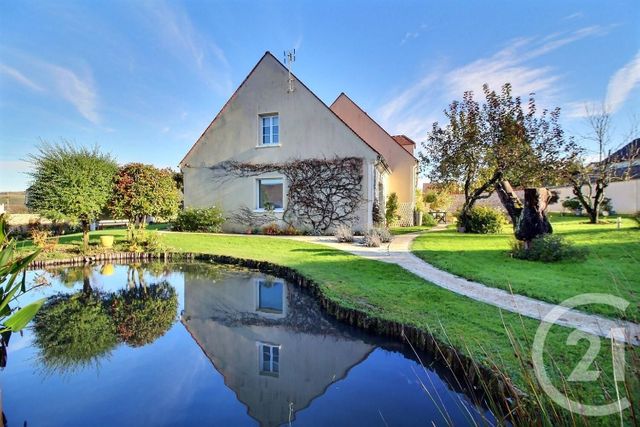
(401, 163)
(308, 129)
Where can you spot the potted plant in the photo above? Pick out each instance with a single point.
(106, 241)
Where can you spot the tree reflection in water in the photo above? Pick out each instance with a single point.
(73, 331)
(143, 313)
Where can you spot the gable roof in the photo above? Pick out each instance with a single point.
(268, 54)
(350, 101)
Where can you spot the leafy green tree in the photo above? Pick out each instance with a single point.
(486, 147)
(70, 183)
(141, 190)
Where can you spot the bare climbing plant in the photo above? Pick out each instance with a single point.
(321, 193)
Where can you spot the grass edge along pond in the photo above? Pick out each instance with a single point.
(496, 339)
(612, 265)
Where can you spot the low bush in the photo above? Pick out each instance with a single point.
(40, 237)
(376, 236)
(428, 220)
(271, 229)
(572, 203)
(154, 243)
(208, 220)
(290, 230)
(484, 220)
(343, 234)
(548, 248)
(384, 234)
(371, 239)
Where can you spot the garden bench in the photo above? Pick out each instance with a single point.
(112, 223)
(439, 216)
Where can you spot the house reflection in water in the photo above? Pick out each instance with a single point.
(269, 340)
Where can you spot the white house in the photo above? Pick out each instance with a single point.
(272, 121)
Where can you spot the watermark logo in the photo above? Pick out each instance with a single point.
(582, 371)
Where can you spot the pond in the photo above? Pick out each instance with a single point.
(203, 344)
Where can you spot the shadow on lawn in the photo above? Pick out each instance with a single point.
(319, 251)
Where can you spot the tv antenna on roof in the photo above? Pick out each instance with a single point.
(289, 59)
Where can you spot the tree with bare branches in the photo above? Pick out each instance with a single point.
(589, 180)
(488, 146)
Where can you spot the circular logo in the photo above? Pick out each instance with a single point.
(581, 371)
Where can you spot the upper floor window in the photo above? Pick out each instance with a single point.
(270, 296)
(270, 129)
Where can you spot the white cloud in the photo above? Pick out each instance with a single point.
(412, 35)
(181, 36)
(413, 110)
(80, 92)
(58, 81)
(622, 83)
(19, 77)
(576, 15)
(579, 109)
(409, 36)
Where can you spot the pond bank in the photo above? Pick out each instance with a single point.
(467, 371)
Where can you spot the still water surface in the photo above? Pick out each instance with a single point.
(202, 344)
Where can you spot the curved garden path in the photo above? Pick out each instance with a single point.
(399, 252)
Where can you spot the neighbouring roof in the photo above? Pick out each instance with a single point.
(406, 142)
(345, 96)
(628, 152)
(235, 93)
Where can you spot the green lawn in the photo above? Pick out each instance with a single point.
(612, 266)
(389, 292)
(406, 230)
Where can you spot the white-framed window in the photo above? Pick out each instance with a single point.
(270, 194)
(269, 130)
(270, 296)
(269, 359)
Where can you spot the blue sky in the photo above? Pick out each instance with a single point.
(144, 79)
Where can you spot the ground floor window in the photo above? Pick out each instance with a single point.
(270, 193)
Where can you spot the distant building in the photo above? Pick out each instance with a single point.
(626, 160)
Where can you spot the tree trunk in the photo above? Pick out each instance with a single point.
(533, 221)
(86, 281)
(85, 236)
(464, 212)
(509, 200)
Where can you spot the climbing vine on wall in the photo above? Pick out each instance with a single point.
(321, 193)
